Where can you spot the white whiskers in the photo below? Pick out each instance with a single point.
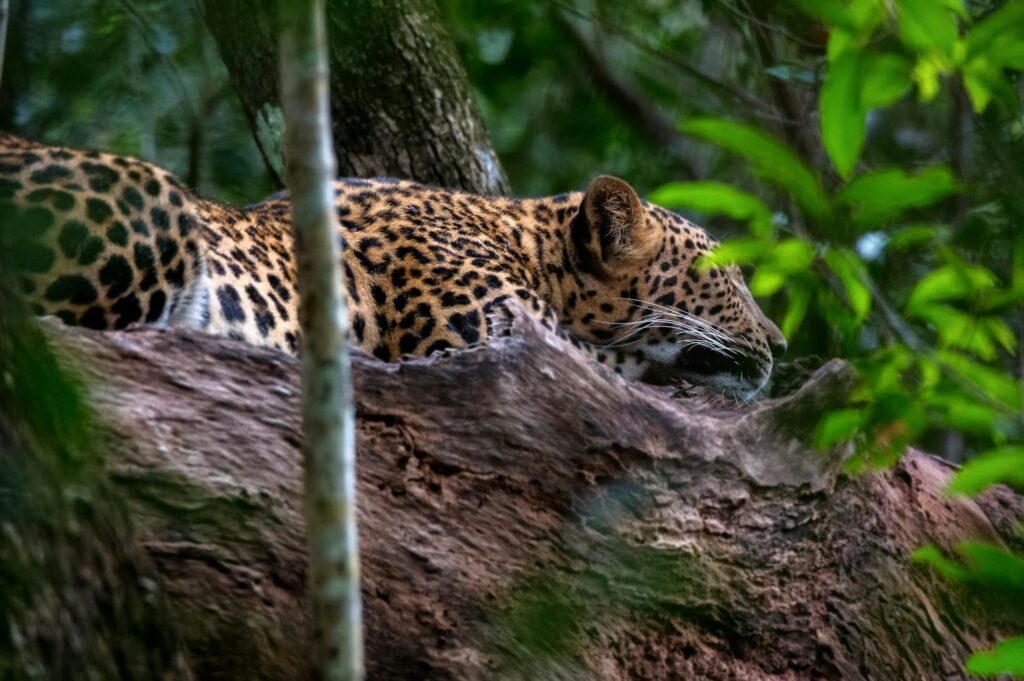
(695, 331)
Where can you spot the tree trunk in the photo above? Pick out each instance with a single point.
(526, 514)
(401, 104)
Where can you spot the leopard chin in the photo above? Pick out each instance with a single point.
(736, 375)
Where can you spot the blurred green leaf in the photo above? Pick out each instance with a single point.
(852, 21)
(767, 280)
(1001, 332)
(716, 198)
(849, 268)
(993, 383)
(1006, 658)
(799, 300)
(833, 12)
(792, 255)
(839, 426)
(991, 566)
(842, 116)
(964, 413)
(994, 566)
(769, 158)
(927, 70)
(931, 555)
(914, 235)
(951, 282)
(883, 195)
(958, 329)
(1000, 33)
(927, 25)
(735, 251)
(981, 79)
(885, 79)
(1004, 465)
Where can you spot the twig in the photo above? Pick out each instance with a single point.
(794, 126)
(146, 29)
(767, 26)
(645, 113)
(328, 415)
(718, 87)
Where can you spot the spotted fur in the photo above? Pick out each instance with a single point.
(106, 241)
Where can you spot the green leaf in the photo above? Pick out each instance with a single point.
(1007, 52)
(839, 426)
(958, 329)
(914, 235)
(792, 255)
(716, 198)
(1001, 332)
(951, 282)
(848, 267)
(769, 158)
(926, 74)
(930, 555)
(995, 384)
(962, 412)
(1005, 24)
(767, 280)
(842, 115)
(981, 79)
(842, 40)
(927, 25)
(857, 17)
(885, 79)
(881, 196)
(994, 566)
(799, 299)
(1006, 658)
(735, 251)
(1004, 465)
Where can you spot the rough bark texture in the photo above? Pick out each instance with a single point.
(527, 515)
(401, 104)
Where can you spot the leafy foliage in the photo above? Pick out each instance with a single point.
(935, 350)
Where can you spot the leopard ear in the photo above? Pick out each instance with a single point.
(610, 228)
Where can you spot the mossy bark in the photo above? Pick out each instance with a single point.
(525, 514)
(78, 596)
(401, 104)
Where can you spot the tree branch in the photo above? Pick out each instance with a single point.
(642, 113)
(328, 418)
(529, 515)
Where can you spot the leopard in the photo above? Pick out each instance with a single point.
(106, 241)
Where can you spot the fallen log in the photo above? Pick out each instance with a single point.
(525, 514)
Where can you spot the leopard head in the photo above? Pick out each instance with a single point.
(641, 294)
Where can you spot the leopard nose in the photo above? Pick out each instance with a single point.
(778, 347)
